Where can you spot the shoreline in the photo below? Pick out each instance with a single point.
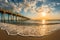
(5, 36)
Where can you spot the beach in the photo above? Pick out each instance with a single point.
(5, 36)
(34, 32)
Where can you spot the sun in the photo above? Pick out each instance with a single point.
(43, 14)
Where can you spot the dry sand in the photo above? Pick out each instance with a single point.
(53, 36)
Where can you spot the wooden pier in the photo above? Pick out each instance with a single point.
(11, 16)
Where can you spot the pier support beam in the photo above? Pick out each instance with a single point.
(8, 17)
(13, 18)
(16, 19)
(3, 17)
(0, 17)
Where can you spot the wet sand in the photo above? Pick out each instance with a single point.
(53, 36)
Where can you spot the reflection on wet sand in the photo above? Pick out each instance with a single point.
(44, 28)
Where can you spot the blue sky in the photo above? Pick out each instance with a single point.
(30, 8)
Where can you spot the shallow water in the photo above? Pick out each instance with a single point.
(41, 28)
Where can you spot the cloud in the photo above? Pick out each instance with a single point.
(6, 1)
(34, 9)
(27, 5)
(54, 5)
(58, 3)
(31, 5)
(42, 0)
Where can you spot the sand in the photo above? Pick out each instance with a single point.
(54, 36)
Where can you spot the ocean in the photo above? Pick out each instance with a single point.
(31, 27)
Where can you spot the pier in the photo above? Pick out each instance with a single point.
(8, 16)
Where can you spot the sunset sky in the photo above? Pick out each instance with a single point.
(35, 9)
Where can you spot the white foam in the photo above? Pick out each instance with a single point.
(28, 30)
